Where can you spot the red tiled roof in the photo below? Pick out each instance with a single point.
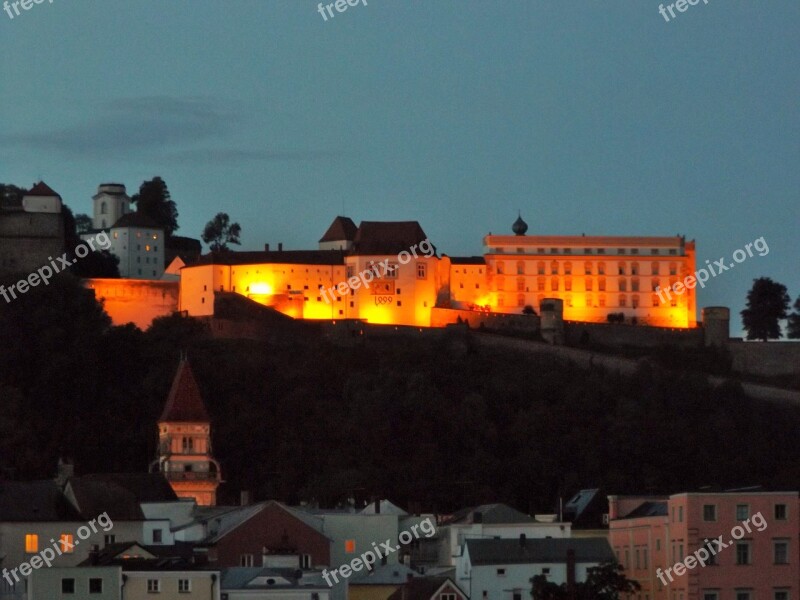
(184, 403)
(387, 237)
(41, 189)
(342, 228)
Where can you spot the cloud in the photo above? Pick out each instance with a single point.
(177, 130)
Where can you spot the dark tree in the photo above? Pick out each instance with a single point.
(100, 263)
(83, 223)
(219, 232)
(605, 582)
(767, 304)
(528, 310)
(793, 326)
(154, 201)
(11, 195)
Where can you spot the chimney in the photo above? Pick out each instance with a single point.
(94, 554)
(613, 507)
(522, 540)
(65, 471)
(377, 506)
(245, 497)
(280, 246)
(266, 247)
(571, 573)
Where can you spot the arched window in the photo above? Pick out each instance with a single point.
(567, 268)
(587, 267)
(554, 268)
(554, 284)
(103, 208)
(501, 267)
(540, 267)
(520, 267)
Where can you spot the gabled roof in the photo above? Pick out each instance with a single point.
(342, 228)
(490, 513)
(537, 550)
(136, 219)
(301, 257)
(35, 501)
(387, 237)
(41, 189)
(386, 508)
(184, 403)
(142, 487)
(423, 588)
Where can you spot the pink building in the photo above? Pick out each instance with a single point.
(738, 545)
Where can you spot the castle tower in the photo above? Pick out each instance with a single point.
(110, 203)
(184, 442)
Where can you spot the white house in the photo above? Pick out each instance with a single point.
(497, 569)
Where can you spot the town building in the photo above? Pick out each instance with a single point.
(758, 558)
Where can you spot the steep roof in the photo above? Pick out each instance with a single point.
(490, 513)
(423, 588)
(648, 509)
(289, 257)
(119, 494)
(35, 501)
(184, 403)
(342, 228)
(387, 237)
(41, 189)
(136, 219)
(537, 550)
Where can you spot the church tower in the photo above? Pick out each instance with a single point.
(110, 204)
(184, 442)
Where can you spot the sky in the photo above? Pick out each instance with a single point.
(595, 117)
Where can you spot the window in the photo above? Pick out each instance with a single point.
(680, 516)
(568, 268)
(349, 546)
(623, 285)
(588, 285)
(103, 208)
(587, 268)
(620, 250)
(67, 585)
(601, 268)
(654, 269)
(709, 512)
(520, 267)
(501, 266)
(780, 512)
(554, 268)
(568, 284)
(601, 284)
(673, 269)
(634, 251)
(184, 586)
(157, 536)
(635, 301)
(742, 553)
(188, 444)
(31, 543)
(153, 585)
(67, 543)
(710, 595)
(516, 596)
(554, 284)
(305, 561)
(742, 512)
(109, 538)
(520, 299)
(246, 560)
(743, 595)
(712, 558)
(95, 585)
(623, 300)
(658, 544)
(601, 301)
(540, 284)
(448, 597)
(501, 572)
(780, 551)
(540, 268)
(780, 595)
(392, 271)
(520, 284)
(601, 250)
(644, 557)
(421, 271)
(635, 285)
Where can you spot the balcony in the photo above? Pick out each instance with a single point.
(191, 475)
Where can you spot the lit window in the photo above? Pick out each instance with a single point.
(67, 543)
(349, 546)
(31, 543)
(155, 236)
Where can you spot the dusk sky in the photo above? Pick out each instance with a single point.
(594, 117)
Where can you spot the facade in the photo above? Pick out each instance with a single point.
(76, 583)
(31, 234)
(758, 559)
(184, 442)
(593, 275)
(492, 569)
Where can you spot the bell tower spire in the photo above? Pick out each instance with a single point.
(184, 441)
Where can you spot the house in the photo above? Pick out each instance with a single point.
(379, 582)
(265, 583)
(429, 588)
(501, 569)
(747, 540)
(491, 520)
(76, 583)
